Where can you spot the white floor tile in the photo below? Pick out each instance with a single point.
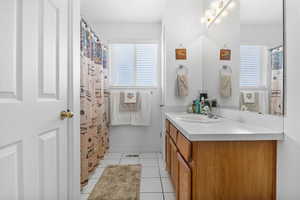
(84, 196)
(97, 173)
(113, 156)
(148, 155)
(159, 155)
(150, 172)
(149, 162)
(170, 196)
(163, 172)
(151, 196)
(106, 162)
(130, 161)
(167, 185)
(161, 163)
(151, 185)
(89, 187)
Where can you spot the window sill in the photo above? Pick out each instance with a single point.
(262, 88)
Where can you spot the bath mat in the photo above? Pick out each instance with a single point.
(118, 182)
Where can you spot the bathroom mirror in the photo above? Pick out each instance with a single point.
(261, 55)
(252, 78)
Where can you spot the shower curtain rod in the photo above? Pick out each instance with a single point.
(91, 30)
(280, 46)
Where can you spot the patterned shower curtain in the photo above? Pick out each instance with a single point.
(93, 120)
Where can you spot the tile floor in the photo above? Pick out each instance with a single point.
(155, 182)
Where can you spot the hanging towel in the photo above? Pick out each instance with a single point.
(118, 118)
(143, 116)
(249, 97)
(182, 85)
(130, 107)
(225, 85)
(130, 97)
(253, 107)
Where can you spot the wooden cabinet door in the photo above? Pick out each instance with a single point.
(184, 188)
(168, 152)
(174, 164)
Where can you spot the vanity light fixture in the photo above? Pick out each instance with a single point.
(218, 9)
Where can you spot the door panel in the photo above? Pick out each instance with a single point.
(10, 70)
(48, 165)
(10, 172)
(49, 49)
(33, 92)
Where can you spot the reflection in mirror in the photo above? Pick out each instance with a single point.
(252, 33)
(261, 56)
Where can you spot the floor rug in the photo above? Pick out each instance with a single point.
(118, 182)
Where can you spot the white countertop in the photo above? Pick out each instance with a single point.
(225, 130)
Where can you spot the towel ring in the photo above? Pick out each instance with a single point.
(182, 67)
(226, 68)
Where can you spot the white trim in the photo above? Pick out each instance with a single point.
(255, 88)
(132, 41)
(74, 99)
(133, 87)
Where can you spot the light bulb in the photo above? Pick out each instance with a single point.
(231, 5)
(221, 4)
(224, 13)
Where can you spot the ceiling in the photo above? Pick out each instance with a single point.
(261, 11)
(122, 11)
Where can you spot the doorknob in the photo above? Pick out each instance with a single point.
(66, 114)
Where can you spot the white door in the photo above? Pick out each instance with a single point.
(33, 92)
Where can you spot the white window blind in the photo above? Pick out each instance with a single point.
(250, 66)
(133, 64)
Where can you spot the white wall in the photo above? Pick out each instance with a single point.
(289, 150)
(123, 32)
(181, 23)
(129, 138)
(219, 36)
(270, 35)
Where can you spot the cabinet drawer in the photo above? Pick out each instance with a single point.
(184, 146)
(167, 126)
(173, 133)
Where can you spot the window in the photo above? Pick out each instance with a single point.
(251, 66)
(133, 65)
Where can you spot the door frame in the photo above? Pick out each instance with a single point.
(73, 163)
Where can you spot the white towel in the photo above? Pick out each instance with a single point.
(249, 97)
(182, 85)
(118, 118)
(129, 97)
(225, 85)
(143, 116)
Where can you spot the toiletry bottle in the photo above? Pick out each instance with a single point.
(194, 106)
(198, 106)
(202, 105)
(190, 109)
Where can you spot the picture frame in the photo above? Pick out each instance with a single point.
(225, 54)
(181, 54)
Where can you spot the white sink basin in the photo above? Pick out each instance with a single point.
(195, 118)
